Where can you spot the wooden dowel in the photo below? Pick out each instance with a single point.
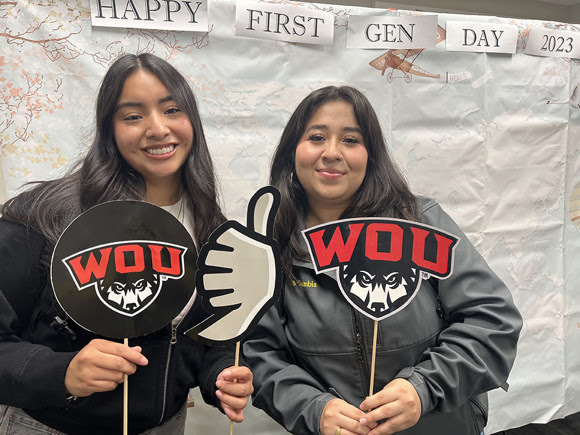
(236, 363)
(373, 358)
(125, 397)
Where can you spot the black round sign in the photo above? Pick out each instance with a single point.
(124, 269)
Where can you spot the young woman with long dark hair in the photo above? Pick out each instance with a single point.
(149, 145)
(311, 355)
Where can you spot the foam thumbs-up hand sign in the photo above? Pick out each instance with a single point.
(239, 273)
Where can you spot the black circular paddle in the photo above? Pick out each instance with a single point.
(124, 269)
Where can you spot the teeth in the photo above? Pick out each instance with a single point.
(157, 151)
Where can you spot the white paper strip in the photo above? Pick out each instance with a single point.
(391, 32)
(180, 15)
(481, 37)
(553, 43)
(284, 23)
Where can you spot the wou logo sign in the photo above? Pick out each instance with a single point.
(127, 276)
(380, 262)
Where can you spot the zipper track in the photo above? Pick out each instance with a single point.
(360, 349)
(166, 377)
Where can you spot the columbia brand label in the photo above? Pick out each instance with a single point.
(380, 263)
(308, 283)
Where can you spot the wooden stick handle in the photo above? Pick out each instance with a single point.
(236, 363)
(373, 358)
(237, 358)
(125, 397)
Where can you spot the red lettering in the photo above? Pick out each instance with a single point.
(174, 254)
(120, 263)
(396, 249)
(441, 265)
(93, 267)
(343, 251)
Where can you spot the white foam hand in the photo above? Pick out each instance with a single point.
(239, 274)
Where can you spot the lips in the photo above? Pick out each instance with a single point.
(160, 150)
(330, 172)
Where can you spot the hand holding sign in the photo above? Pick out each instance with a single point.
(239, 274)
(234, 387)
(101, 366)
(397, 406)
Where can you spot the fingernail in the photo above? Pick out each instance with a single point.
(363, 421)
(143, 360)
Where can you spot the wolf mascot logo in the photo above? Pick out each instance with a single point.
(380, 262)
(127, 276)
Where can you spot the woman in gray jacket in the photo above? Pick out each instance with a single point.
(311, 354)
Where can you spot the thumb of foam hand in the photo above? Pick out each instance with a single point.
(239, 270)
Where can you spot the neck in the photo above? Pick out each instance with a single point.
(166, 192)
(321, 215)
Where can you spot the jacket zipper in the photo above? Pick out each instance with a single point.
(360, 350)
(171, 343)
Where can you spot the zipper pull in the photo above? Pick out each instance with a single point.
(173, 334)
(359, 347)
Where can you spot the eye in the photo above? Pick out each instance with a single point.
(119, 287)
(173, 110)
(139, 285)
(394, 280)
(351, 140)
(316, 138)
(364, 279)
(131, 118)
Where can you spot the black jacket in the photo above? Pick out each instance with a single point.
(35, 350)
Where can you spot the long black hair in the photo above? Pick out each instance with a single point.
(103, 175)
(384, 191)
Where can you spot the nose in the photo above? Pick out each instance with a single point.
(157, 128)
(332, 150)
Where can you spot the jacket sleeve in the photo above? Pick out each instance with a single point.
(476, 351)
(216, 359)
(285, 391)
(32, 375)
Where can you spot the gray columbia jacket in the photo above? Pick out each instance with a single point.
(314, 346)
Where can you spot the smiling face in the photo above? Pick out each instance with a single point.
(153, 135)
(331, 158)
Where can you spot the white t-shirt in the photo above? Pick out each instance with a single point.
(182, 213)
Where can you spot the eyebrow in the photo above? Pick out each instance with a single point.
(138, 104)
(325, 127)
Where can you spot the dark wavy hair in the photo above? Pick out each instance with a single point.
(103, 175)
(384, 191)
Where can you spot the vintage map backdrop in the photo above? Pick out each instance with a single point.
(495, 138)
